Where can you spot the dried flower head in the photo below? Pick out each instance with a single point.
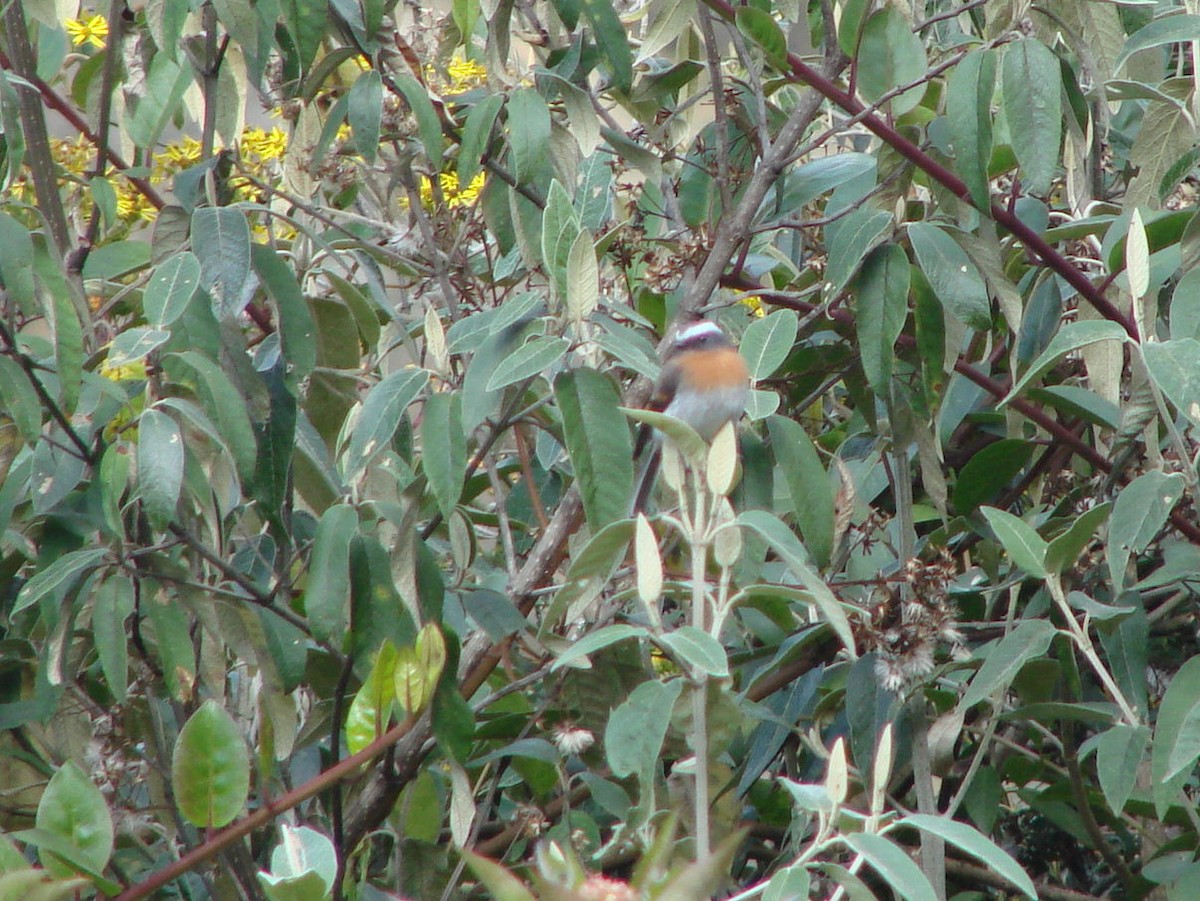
(570, 739)
(904, 633)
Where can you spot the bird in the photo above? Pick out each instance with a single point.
(704, 383)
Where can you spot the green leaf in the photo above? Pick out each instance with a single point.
(1137, 256)
(761, 28)
(1026, 548)
(160, 456)
(969, 114)
(19, 399)
(134, 344)
(560, 229)
(224, 402)
(975, 843)
(327, 598)
(221, 242)
(634, 735)
(528, 360)
(667, 22)
(808, 484)
(1174, 713)
(501, 884)
(1081, 402)
(989, 472)
(240, 21)
(1032, 95)
(444, 449)
(381, 414)
(1030, 639)
(598, 442)
(696, 649)
(858, 233)
(59, 577)
(882, 293)
(296, 327)
(792, 552)
(951, 274)
(1066, 548)
(476, 136)
(16, 264)
(810, 180)
(890, 55)
(111, 607)
(68, 332)
(595, 641)
(210, 768)
(173, 646)
(166, 82)
(418, 669)
(1175, 367)
(767, 341)
(171, 288)
(894, 865)
(73, 809)
(612, 40)
(1173, 29)
(1140, 511)
(372, 704)
(62, 889)
(692, 446)
(583, 279)
(303, 865)
(364, 112)
(1185, 306)
(601, 552)
(788, 884)
(528, 133)
(1119, 754)
(1070, 338)
(307, 22)
(853, 15)
(429, 126)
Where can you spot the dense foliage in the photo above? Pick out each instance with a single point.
(324, 329)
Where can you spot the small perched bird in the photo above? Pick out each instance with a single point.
(704, 383)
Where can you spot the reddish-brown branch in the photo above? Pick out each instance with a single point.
(1062, 433)
(265, 814)
(1038, 245)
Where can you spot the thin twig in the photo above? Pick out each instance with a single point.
(89, 454)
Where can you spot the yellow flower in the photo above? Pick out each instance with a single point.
(132, 204)
(177, 156)
(464, 75)
(93, 31)
(754, 304)
(451, 192)
(266, 145)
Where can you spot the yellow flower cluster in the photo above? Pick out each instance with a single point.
(175, 158)
(132, 204)
(462, 75)
(465, 74)
(453, 195)
(92, 30)
(260, 145)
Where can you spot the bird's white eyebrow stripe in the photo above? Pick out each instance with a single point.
(696, 330)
